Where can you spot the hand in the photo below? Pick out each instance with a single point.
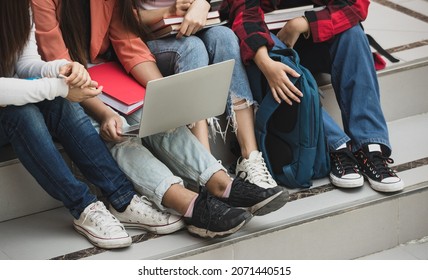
(292, 30)
(281, 86)
(75, 75)
(77, 94)
(195, 18)
(180, 7)
(111, 128)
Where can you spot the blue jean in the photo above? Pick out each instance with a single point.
(156, 162)
(212, 45)
(348, 58)
(30, 130)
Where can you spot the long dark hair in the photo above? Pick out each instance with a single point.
(75, 33)
(74, 30)
(131, 19)
(15, 27)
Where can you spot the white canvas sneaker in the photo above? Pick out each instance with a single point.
(254, 170)
(101, 228)
(142, 214)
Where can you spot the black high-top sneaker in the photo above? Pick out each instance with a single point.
(374, 166)
(344, 169)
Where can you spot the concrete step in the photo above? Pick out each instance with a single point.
(320, 223)
(21, 195)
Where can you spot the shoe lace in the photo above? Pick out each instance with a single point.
(214, 207)
(257, 171)
(346, 161)
(379, 165)
(144, 207)
(103, 219)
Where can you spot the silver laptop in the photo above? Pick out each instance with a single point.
(184, 98)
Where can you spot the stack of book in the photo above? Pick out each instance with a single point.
(170, 26)
(278, 18)
(120, 91)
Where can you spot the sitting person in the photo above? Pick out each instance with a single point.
(195, 47)
(37, 106)
(156, 164)
(333, 42)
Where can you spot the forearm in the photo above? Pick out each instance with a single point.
(146, 71)
(261, 59)
(95, 108)
(20, 92)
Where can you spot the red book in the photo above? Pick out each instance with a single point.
(120, 90)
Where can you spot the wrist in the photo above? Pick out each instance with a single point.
(307, 33)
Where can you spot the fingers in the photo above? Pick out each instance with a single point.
(78, 76)
(282, 88)
(284, 93)
(187, 29)
(111, 130)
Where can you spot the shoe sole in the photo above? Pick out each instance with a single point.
(205, 233)
(166, 229)
(104, 243)
(347, 184)
(385, 187)
(270, 204)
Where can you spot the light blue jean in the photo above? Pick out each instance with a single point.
(348, 58)
(156, 162)
(212, 45)
(30, 128)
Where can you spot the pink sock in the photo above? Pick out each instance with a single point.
(189, 211)
(227, 191)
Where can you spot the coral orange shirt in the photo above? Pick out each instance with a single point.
(106, 29)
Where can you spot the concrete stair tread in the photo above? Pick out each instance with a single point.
(50, 234)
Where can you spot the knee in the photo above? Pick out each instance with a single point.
(26, 113)
(354, 34)
(22, 118)
(68, 110)
(224, 36)
(194, 47)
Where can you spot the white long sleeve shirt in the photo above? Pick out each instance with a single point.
(34, 80)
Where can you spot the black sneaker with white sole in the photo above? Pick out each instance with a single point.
(257, 200)
(344, 171)
(374, 165)
(214, 218)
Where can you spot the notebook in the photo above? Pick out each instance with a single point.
(121, 91)
(183, 98)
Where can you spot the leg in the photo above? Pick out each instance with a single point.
(355, 83)
(70, 125)
(183, 154)
(174, 56)
(26, 130)
(149, 175)
(251, 165)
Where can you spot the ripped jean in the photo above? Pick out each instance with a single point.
(206, 47)
(156, 162)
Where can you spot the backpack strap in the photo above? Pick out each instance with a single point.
(380, 49)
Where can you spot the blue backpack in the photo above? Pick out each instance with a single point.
(291, 138)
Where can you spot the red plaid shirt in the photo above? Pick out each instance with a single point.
(246, 18)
